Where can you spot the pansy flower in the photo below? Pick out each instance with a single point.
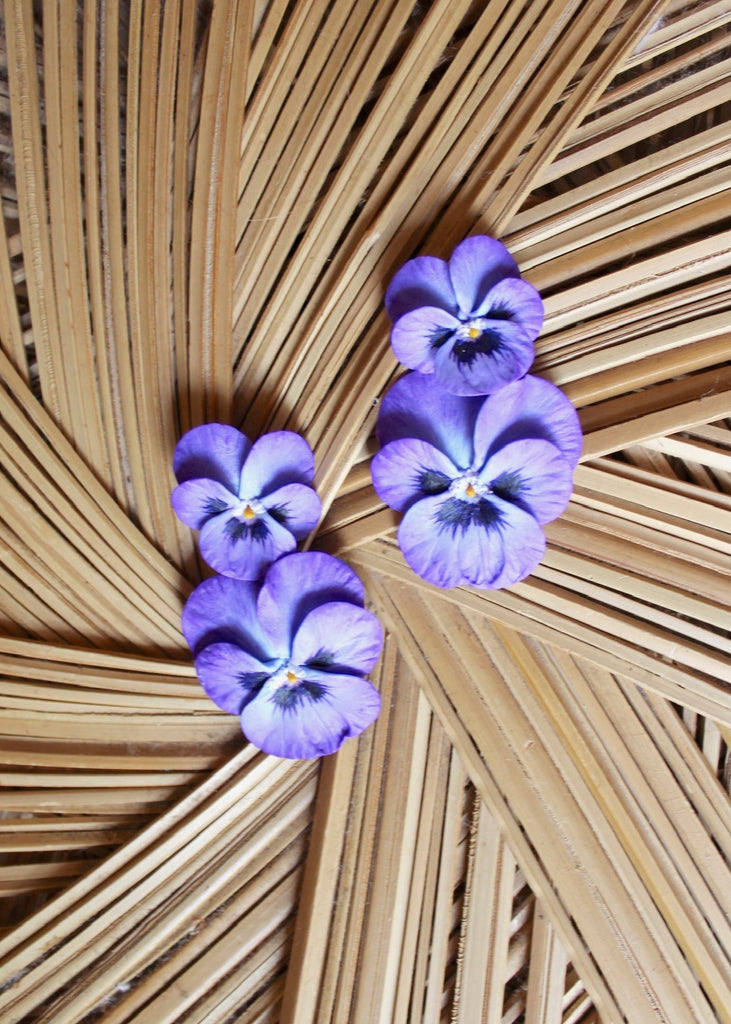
(251, 502)
(475, 477)
(288, 655)
(471, 322)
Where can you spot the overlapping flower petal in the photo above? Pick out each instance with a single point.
(471, 322)
(288, 655)
(475, 519)
(252, 503)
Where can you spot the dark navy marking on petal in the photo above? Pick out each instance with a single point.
(280, 513)
(236, 529)
(215, 505)
(432, 481)
(289, 698)
(252, 680)
(455, 515)
(321, 659)
(467, 350)
(509, 485)
(438, 336)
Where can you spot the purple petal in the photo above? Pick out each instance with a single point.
(230, 676)
(279, 458)
(524, 546)
(223, 610)
(215, 451)
(534, 474)
(244, 550)
(486, 371)
(406, 470)
(416, 336)
(338, 637)
(493, 550)
(423, 281)
(294, 586)
(449, 557)
(517, 301)
(296, 506)
(475, 266)
(312, 726)
(195, 501)
(528, 408)
(417, 406)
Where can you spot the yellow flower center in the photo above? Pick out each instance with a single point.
(291, 677)
(249, 513)
(470, 491)
(474, 332)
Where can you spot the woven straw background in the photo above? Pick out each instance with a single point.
(202, 204)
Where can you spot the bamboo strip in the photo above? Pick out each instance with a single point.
(32, 207)
(230, 927)
(78, 367)
(118, 325)
(169, 864)
(487, 925)
(542, 611)
(492, 795)
(544, 1002)
(310, 943)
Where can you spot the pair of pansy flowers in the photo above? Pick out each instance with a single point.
(476, 453)
(280, 637)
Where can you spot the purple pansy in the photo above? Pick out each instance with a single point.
(471, 322)
(288, 655)
(475, 477)
(251, 502)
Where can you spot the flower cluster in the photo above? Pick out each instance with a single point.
(280, 638)
(475, 453)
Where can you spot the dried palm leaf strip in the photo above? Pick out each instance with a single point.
(11, 331)
(296, 163)
(33, 212)
(549, 613)
(650, 793)
(376, 870)
(637, 230)
(219, 955)
(145, 885)
(49, 654)
(213, 215)
(681, 24)
(116, 335)
(546, 227)
(434, 669)
(44, 835)
(674, 102)
(701, 790)
(78, 366)
(680, 266)
(686, 511)
(77, 553)
(486, 925)
(618, 915)
(496, 211)
(546, 973)
(699, 399)
(77, 493)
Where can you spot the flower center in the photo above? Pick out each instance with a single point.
(474, 338)
(248, 509)
(469, 487)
